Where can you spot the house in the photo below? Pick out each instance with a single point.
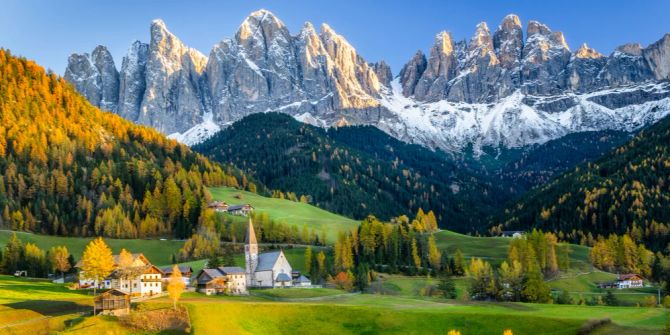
(113, 302)
(242, 210)
(186, 274)
(222, 207)
(222, 280)
(302, 281)
(630, 280)
(147, 279)
(269, 269)
(512, 233)
(218, 206)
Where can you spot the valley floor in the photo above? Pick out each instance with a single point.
(35, 307)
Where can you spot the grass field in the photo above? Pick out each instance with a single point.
(372, 314)
(289, 212)
(37, 306)
(33, 307)
(159, 252)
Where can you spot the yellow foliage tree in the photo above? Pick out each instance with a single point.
(434, 255)
(97, 262)
(454, 332)
(59, 259)
(176, 286)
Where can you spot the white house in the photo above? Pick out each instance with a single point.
(268, 269)
(630, 280)
(222, 280)
(147, 282)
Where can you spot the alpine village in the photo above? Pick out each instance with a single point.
(496, 183)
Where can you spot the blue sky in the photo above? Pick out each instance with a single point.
(48, 31)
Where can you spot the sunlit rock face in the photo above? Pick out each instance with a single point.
(499, 87)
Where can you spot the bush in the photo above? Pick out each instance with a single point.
(666, 301)
(589, 326)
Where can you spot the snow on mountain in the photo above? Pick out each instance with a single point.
(495, 89)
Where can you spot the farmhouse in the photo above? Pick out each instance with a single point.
(222, 280)
(629, 280)
(222, 207)
(186, 273)
(268, 269)
(113, 302)
(147, 278)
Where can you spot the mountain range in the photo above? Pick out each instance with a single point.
(506, 89)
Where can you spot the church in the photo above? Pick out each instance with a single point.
(268, 269)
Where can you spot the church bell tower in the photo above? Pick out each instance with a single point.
(251, 254)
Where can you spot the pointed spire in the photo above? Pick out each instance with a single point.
(251, 234)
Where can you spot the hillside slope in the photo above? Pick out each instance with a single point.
(628, 189)
(67, 168)
(354, 171)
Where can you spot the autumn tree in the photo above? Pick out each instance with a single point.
(434, 254)
(175, 286)
(59, 259)
(97, 262)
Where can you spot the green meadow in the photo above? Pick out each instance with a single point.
(289, 212)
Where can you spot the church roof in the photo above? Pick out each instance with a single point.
(283, 277)
(267, 260)
(231, 270)
(251, 234)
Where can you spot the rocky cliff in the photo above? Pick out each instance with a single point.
(495, 89)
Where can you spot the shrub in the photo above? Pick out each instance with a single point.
(591, 325)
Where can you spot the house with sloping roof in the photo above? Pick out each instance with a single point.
(146, 278)
(268, 269)
(222, 280)
(186, 274)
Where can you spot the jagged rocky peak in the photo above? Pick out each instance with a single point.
(584, 52)
(658, 57)
(545, 57)
(629, 49)
(95, 76)
(411, 73)
(357, 83)
(132, 80)
(440, 68)
(383, 72)
(173, 96)
(481, 45)
(508, 41)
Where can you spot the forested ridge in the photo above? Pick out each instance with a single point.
(67, 168)
(625, 191)
(354, 171)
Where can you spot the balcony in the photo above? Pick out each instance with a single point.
(151, 280)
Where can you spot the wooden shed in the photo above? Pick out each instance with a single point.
(113, 302)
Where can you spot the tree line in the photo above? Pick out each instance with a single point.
(17, 256)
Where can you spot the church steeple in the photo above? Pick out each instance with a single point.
(251, 254)
(251, 234)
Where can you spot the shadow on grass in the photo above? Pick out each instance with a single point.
(49, 307)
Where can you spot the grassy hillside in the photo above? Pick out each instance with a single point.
(290, 212)
(494, 249)
(158, 252)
